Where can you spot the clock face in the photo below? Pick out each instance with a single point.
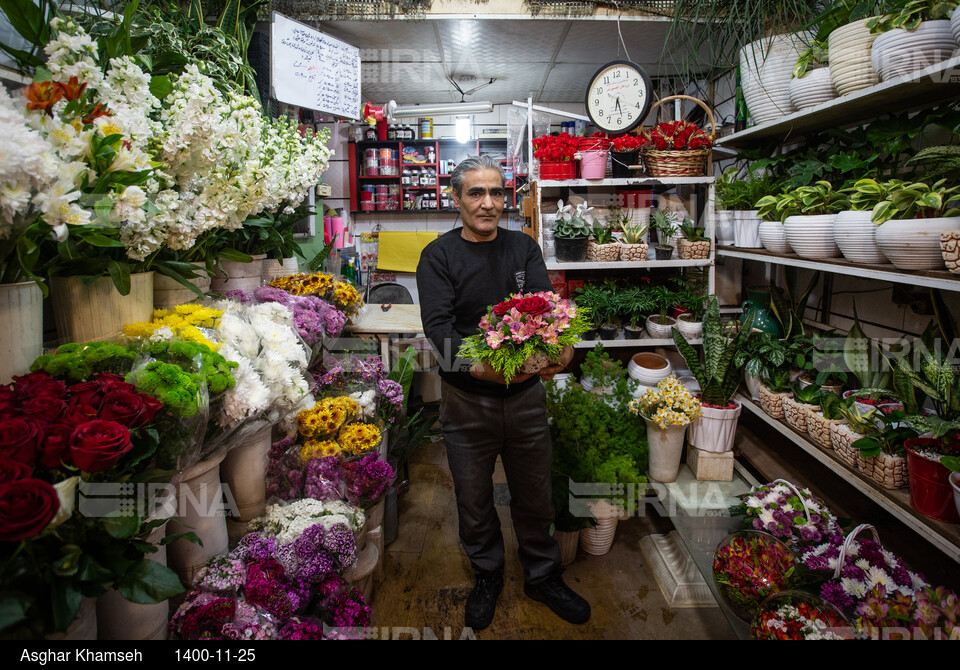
(618, 97)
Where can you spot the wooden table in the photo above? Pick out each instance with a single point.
(374, 321)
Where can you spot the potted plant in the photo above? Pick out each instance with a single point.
(853, 230)
(694, 245)
(690, 321)
(773, 388)
(588, 297)
(855, 425)
(603, 246)
(882, 455)
(737, 194)
(719, 379)
(571, 232)
(633, 246)
(606, 310)
(667, 410)
(803, 399)
(635, 303)
(817, 360)
(762, 354)
(661, 325)
(820, 422)
(772, 210)
(602, 375)
(850, 42)
(809, 230)
(811, 84)
(665, 223)
(555, 156)
(912, 36)
(676, 148)
(911, 218)
(624, 153)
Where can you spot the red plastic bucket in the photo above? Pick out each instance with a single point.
(930, 490)
(593, 144)
(558, 170)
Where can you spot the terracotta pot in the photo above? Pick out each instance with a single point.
(691, 330)
(660, 331)
(950, 249)
(597, 541)
(890, 472)
(699, 250)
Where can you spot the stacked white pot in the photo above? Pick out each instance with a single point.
(898, 52)
(849, 50)
(813, 89)
(811, 235)
(773, 237)
(766, 68)
(856, 236)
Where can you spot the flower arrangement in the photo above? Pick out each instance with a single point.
(312, 317)
(287, 521)
(788, 513)
(343, 295)
(183, 322)
(932, 614)
(669, 404)
(748, 567)
(555, 148)
(678, 136)
(76, 362)
(628, 142)
(865, 565)
(798, 618)
(366, 479)
(523, 327)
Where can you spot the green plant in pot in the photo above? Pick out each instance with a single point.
(801, 400)
(667, 227)
(694, 303)
(571, 232)
(818, 357)
(606, 310)
(694, 244)
(718, 377)
(635, 304)
(633, 246)
(762, 354)
(660, 325)
(604, 375)
(591, 296)
(909, 15)
(603, 246)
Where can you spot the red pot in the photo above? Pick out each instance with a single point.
(930, 490)
(558, 170)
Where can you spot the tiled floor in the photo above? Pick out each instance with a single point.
(428, 577)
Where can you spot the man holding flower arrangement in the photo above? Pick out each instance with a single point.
(484, 412)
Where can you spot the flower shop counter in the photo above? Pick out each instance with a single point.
(382, 323)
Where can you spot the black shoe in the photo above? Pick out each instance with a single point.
(482, 601)
(560, 598)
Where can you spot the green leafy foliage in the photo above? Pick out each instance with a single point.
(887, 436)
(807, 395)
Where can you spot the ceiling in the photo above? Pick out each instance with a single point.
(548, 59)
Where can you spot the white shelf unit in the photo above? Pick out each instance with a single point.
(624, 342)
(922, 89)
(705, 183)
(944, 536)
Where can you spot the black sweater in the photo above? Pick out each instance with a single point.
(458, 281)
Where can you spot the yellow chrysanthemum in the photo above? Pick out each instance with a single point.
(330, 448)
(139, 329)
(356, 438)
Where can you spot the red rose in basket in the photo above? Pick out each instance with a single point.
(629, 142)
(678, 136)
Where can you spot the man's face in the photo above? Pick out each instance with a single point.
(480, 204)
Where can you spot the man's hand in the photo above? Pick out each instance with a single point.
(488, 374)
(566, 356)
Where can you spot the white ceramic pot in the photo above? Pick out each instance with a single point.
(813, 89)
(856, 237)
(914, 244)
(950, 249)
(21, 337)
(766, 68)
(747, 229)
(811, 236)
(597, 541)
(716, 429)
(725, 224)
(773, 237)
(691, 330)
(752, 383)
(660, 331)
(666, 448)
(648, 368)
(955, 24)
(849, 50)
(898, 52)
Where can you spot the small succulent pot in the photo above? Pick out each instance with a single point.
(950, 248)
(818, 428)
(795, 413)
(603, 253)
(662, 253)
(633, 252)
(887, 470)
(772, 401)
(842, 437)
(699, 250)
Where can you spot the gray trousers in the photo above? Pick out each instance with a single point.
(477, 429)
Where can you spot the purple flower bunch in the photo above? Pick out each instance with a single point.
(366, 479)
(390, 396)
(269, 588)
(345, 374)
(301, 628)
(322, 478)
(865, 564)
(285, 475)
(239, 295)
(312, 317)
(789, 513)
(345, 607)
(306, 558)
(341, 543)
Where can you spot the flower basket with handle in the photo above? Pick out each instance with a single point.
(693, 160)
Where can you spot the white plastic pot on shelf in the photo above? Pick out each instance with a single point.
(898, 52)
(747, 229)
(766, 68)
(849, 48)
(856, 236)
(811, 235)
(914, 244)
(773, 237)
(725, 224)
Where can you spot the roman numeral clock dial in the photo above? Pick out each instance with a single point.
(618, 97)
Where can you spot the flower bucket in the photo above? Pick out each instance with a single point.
(716, 428)
(930, 491)
(120, 619)
(84, 313)
(598, 540)
(21, 342)
(593, 164)
(238, 276)
(620, 162)
(557, 170)
(244, 473)
(168, 293)
(361, 575)
(666, 448)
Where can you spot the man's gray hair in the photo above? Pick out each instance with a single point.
(481, 162)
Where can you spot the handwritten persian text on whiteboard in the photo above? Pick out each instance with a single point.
(312, 70)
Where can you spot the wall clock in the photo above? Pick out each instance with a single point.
(618, 97)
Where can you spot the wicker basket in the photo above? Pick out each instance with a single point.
(687, 163)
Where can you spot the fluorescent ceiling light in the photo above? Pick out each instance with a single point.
(452, 108)
(463, 129)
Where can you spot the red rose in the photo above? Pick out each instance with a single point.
(110, 382)
(8, 400)
(37, 384)
(131, 409)
(26, 507)
(660, 143)
(20, 439)
(505, 306)
(76, 415)
(678, 143)
(98, 445)
(11, 470)
(55, 448)
(44, 408)
(533, 305)
(86, 393)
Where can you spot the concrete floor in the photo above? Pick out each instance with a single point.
(427, 578)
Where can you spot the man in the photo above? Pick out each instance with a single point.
(459, 276)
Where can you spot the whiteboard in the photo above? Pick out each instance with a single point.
(312, 70)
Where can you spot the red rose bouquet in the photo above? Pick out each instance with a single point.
(628, 142)
(555, 148)
(678, 136)
(524, 332)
